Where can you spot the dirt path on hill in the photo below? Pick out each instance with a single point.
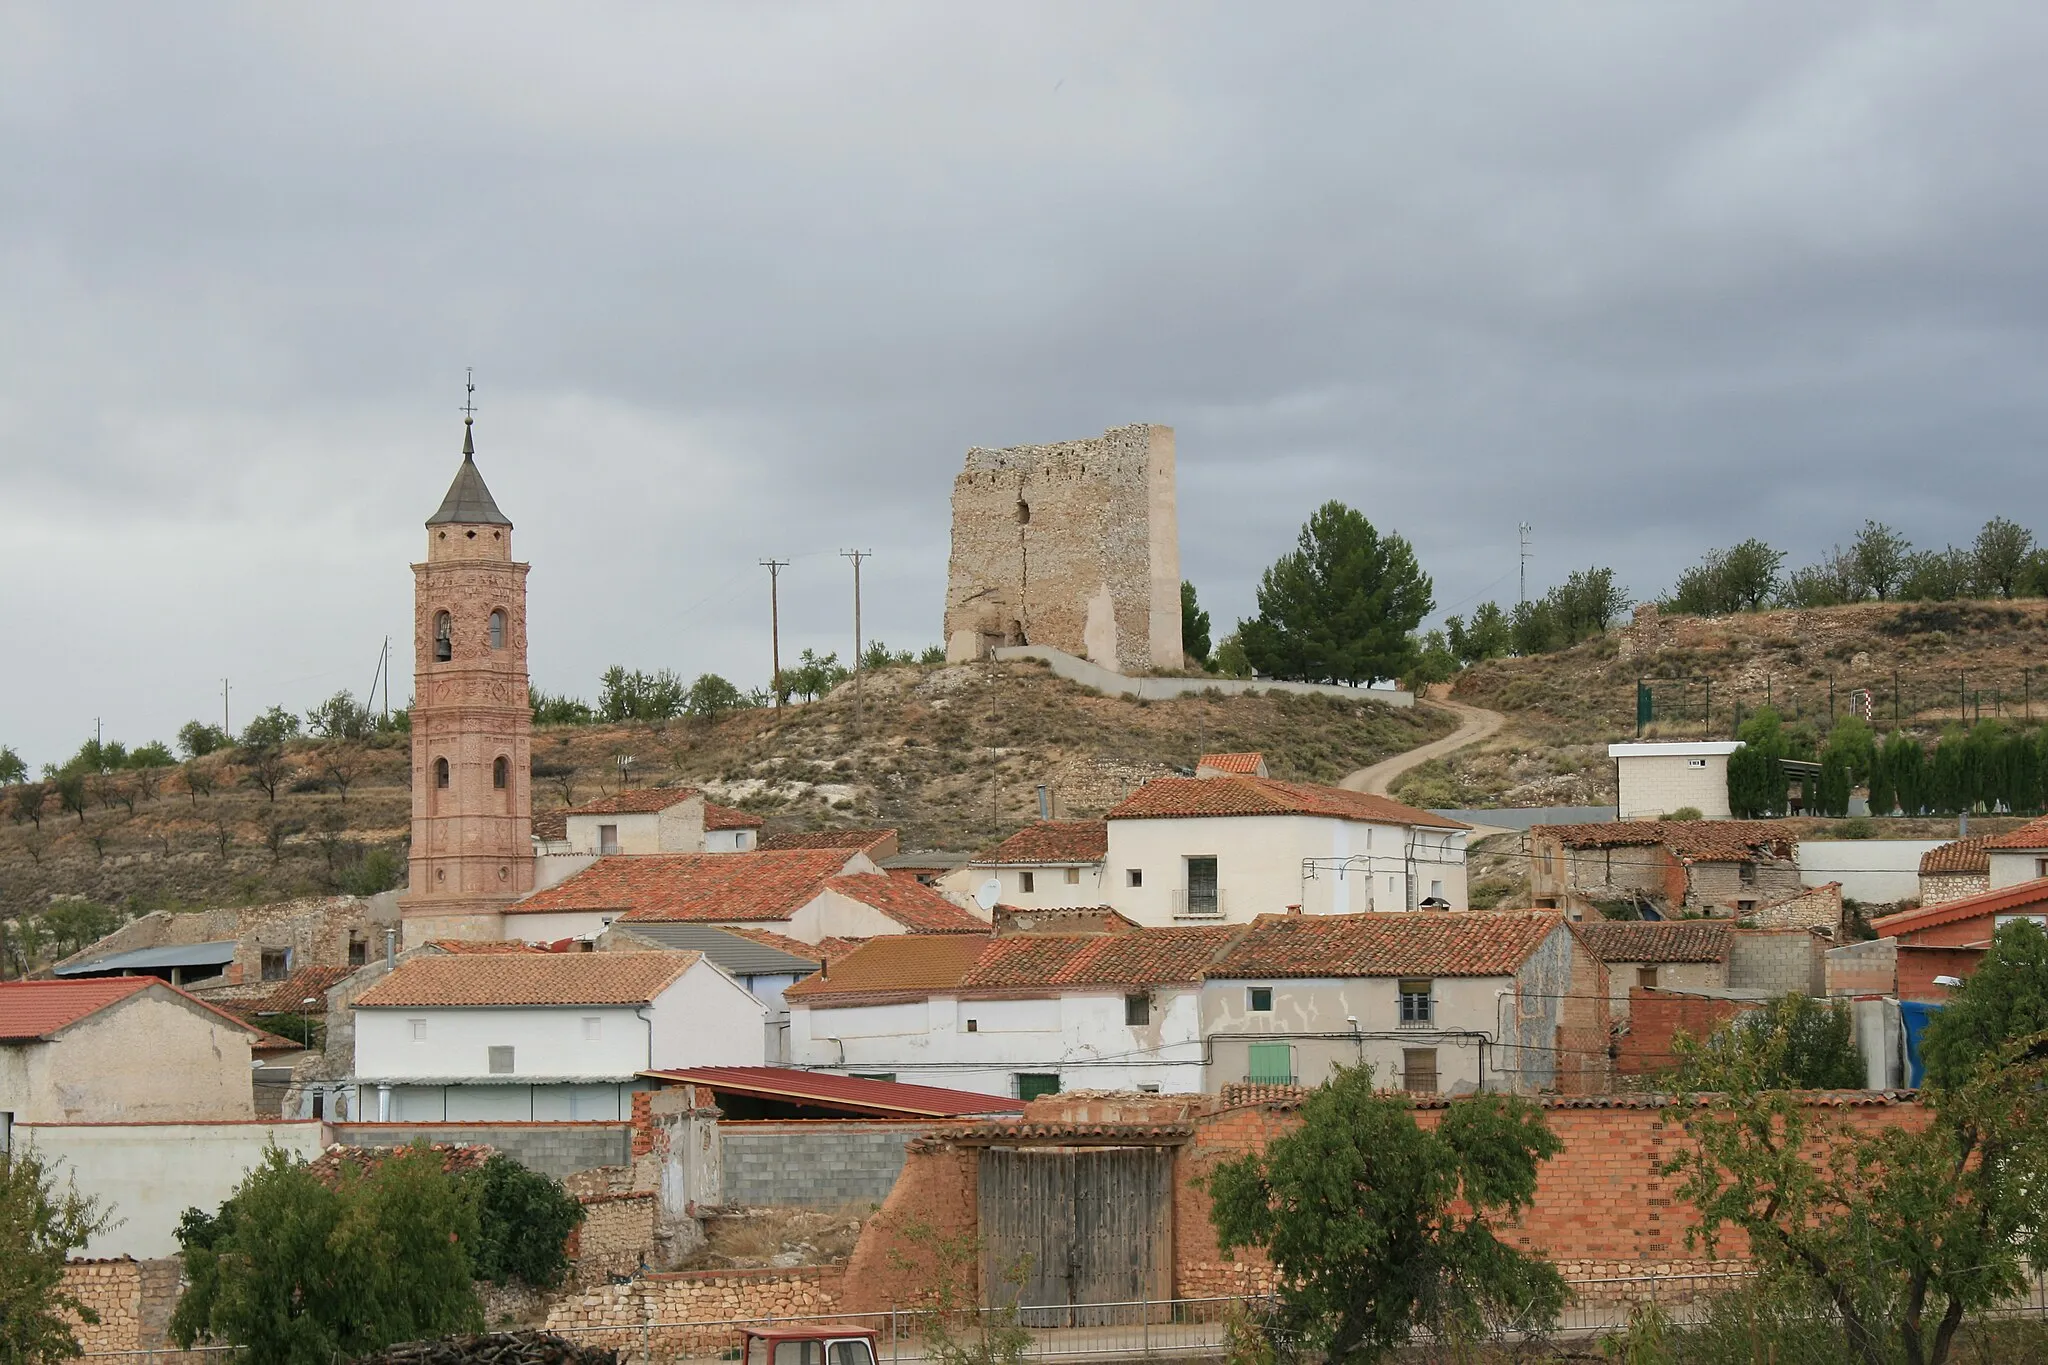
(1477, 725)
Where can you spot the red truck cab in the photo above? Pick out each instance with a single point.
(808, 1343)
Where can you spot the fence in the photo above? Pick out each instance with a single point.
(1173, 1329)
(1707, 707)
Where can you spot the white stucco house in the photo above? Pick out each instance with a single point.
(1019, 1017)
(1232, 847)
(2018, 856)
(540, 1037)
(809, 894)
(1652, 780)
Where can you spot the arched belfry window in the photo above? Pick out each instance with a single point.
(441, 773)
(501, 773)
(497, 630)
(444, 637)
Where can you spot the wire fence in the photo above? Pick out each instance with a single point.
(1705, 706)
(1175, 1329)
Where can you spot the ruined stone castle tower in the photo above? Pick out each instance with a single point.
(1074, 545)
(472, 801)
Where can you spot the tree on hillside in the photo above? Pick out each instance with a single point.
(266, 770)
(1793, 1043)
(558, 710)
(1892, 1234)
(1379, 1227)
(1881, 556)
(712, 696)
(814, 674)
(1750, 573)
(271, 729)
(25, 802)
(12, 767)
(301, 1272)
(1341, 607)
(340, 717)
(1194, 625)
(1488, 637)
(2001, 555)
(2006, 999)
(41, 1224)
(198, 739)
(73, 925)
(71, 793)
(1829, 583)
(1938, 575)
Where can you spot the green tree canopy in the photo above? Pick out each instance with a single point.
(524, 1220)
(2006, 999)
(41, 1224)
(712, 696)
(199, 739)
(1194, 625)
(1793, 1043)
(12, 767)
(271, 729)
(1341, 607)
(2001, 555)
(1880, 555)
(1379, 1227)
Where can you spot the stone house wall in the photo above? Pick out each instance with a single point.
(1939, 888)
(620, 1317)
(617, 1235)
(1718, 888)
(133, 1299)
(1820, 908)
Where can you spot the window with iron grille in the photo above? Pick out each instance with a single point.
(1415, 1002)
(1137, 1009)
(1032, 1084)
(1418, 1070)
(1202, 894)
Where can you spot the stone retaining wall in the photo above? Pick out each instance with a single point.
(556, 1149)
(621, 1316)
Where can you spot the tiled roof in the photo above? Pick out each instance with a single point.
(1171, 798)
(1142, 957)
(1025, 1133)
(725, 817)
(824, 950)
(896, 965)
(1962, 857)
(1062, 919)
(1418, 943)
(707, 887)
(528, 979)
(855, 839)
(32, 1010)
(909, 902)
(2033, 834)
(1232, 763)
(634, 801)
(880, 1099)
(482, 945)
(2005, 900)
(1050, 841)
(291, 994)
(1686, 940)
(456, 1159)
(1695, 840)
(551, 826)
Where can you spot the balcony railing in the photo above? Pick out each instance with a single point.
(1200, 904)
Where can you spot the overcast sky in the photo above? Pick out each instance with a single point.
(746, 280)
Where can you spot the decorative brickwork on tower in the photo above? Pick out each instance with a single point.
(1074, 545)
(472, 799)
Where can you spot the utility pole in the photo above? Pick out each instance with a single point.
(1524, 529)
(856, 556)
(775, 568)
(387, 681)
(225, 728)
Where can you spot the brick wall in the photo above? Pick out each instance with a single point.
(938, 1190)
(555, 1149)
(1918, 967)
(1655, 1017)
(813, 1162)
(614, 1316)
(1781, 961)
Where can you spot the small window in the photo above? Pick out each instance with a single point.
(444, 637)
(742, 839)
(1259, 999)
(1415, 1001)
(1134, 877)
(1436, 888)
(1026, 883)
(593, 1030)
(873, 1075)
(1073, 876)
(501, 773)
(1269, 1064)
(1023, 512)
(1646, 977)
(2041, 867)
(1746, 873)
(974, 1026)
(358, 951)
(6, 1129)
(607, 838)
(501, 1061)
(1418, 1070)
(1148, 1090)
(418, 1029)
(497, 630)
(1032, 1084)
(441, 773)
(1695, 763)
(277, 963)
(1137, 1009)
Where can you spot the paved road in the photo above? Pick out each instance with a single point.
(1477, 725)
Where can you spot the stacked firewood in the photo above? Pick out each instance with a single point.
(493, 1348)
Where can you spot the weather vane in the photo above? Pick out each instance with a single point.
(469, 399)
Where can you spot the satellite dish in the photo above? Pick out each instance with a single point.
(988, 893)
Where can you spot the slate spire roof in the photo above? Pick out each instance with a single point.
(469, 502)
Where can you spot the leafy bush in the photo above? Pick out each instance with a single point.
(524, 1220)
(380, 869)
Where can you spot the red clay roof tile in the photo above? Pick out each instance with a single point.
(2004, 901)
(725, 817)
(1961, 857)
(909, 902)
(1182, 798)
(635, 801)
(857, 839)
(703, 887)
(1694, 840)
(1231, 763)
(899, 964)
(1050, 841)
(33, 1010)
(2033, 834)
(491, 980)
(1417, 943)
(1658, 941)
(1141, 957)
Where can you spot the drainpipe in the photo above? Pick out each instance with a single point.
(383, 1104)
(390, 949)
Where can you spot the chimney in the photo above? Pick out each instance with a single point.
(1044, 802)
(1293, 909)
(390, 949)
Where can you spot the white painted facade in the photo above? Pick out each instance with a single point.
(2010, 867)
(1039, 886)
(150, 1173)
(1081, 1036)
(428, 1064)
(729, 841)
(1653, 780)
(1875, 871)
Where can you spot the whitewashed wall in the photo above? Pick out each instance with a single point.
(1876, 871)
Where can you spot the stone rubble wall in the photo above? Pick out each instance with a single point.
(621, 1316)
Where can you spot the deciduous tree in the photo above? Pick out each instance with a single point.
(12, 767)
(1793, 1043)
(2005, 999)
(1880, 555)
(41, 1224)
(2001, 555)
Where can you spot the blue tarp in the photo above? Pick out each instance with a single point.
(1916, 1013)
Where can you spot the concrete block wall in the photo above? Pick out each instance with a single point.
(1782, 961)
(1863, 968)
(812, 1163)
(555, 1149)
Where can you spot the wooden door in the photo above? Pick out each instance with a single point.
(1076, 1225)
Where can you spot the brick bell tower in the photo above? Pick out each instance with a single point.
(472, 799)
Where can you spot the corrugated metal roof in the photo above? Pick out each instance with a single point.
(737, 955)
(849, 1093)
(182, 955)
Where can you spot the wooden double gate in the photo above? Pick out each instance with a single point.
(1076, 1225)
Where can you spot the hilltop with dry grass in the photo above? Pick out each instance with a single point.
(952, 756)
(1932, 663)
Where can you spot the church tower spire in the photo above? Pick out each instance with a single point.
(472, 798)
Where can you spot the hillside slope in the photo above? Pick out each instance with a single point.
(952, 756)
(1925, 662)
